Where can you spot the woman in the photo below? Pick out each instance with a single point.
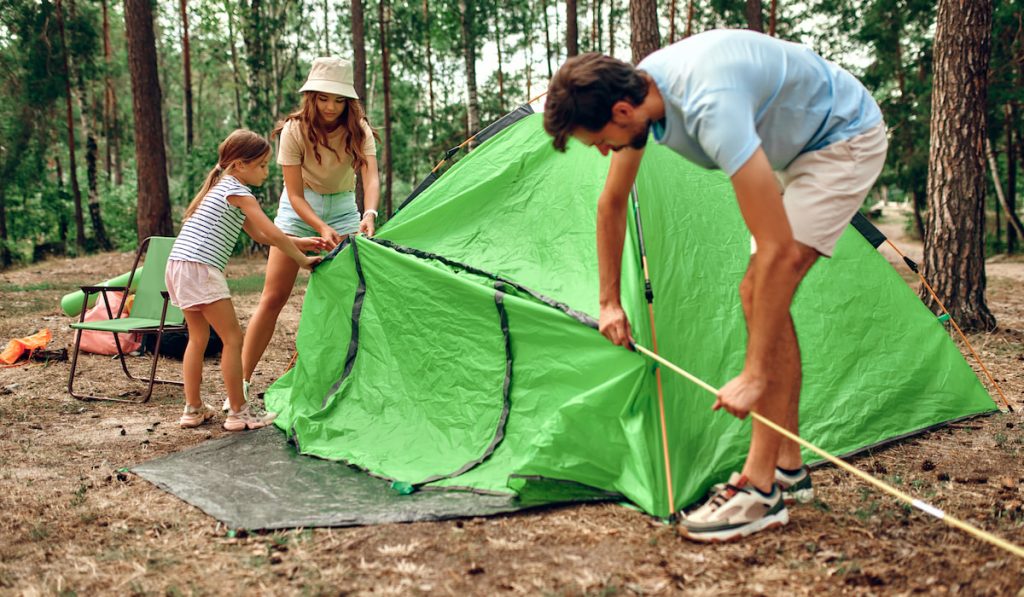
(323, 144)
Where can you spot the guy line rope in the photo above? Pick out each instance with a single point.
(919, 504)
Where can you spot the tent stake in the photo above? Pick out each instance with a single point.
(919, 504)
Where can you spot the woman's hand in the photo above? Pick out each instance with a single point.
(368, 225)
(311, 262)
(310, 244)
(330, 236)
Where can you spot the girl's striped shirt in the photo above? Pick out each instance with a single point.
(209, 235)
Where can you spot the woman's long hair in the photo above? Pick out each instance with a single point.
(241, 145)
(315, 129)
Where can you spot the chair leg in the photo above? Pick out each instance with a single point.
(152, 379)
(149, 381)
(74, 366)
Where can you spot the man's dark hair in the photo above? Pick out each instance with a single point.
(583, 91)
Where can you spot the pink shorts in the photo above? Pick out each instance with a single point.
(192, 285)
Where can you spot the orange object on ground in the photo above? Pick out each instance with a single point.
(18, 346)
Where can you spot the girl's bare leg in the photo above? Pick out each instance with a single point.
(221, 315)
(192, 362)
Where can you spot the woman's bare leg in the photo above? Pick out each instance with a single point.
(280, 278)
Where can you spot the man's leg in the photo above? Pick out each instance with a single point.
(768, 449)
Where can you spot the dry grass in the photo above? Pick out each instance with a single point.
(73, 524)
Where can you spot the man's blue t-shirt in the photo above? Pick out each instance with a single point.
(728, 92)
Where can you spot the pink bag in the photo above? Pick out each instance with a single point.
(103, 342)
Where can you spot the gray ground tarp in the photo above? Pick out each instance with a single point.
(256, 480)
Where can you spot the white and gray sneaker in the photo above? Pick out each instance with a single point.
(245, 396)
(737, 510)
(796, 488)
(246, 419)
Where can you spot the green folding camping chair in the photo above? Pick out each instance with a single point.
(151, 313)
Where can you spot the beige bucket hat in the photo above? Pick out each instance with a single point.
(331, 75)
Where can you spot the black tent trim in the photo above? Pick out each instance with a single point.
(506, 406)
(579, 316)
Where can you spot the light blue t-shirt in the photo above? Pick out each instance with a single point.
(728, 92)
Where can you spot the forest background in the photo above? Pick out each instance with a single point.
(110, 113)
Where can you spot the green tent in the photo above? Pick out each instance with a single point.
(458, 348)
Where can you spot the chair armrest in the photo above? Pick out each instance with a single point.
(92, 289)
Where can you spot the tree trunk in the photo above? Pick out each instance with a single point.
(1012, 221)
(257, 58)
(613, 13)
(571, 34)
(359, 75)
(754, 12)
(469, 56)
(915, 204)
(62, 215)
(109, 99)
(186, 58)
(383, 22)
(1011, 174)
(501, 74)
(771, 18)
(430, 73)
(91, 155)
(644, 37)
(327, 30)
(154, 204)
(5, 255)
(235, 73)
(359, 51)
(72, 168)
(954, 248)
(689, 19)
(161, 74)
(671, 21)
(547, 35)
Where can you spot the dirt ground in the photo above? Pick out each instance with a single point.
(72, 523)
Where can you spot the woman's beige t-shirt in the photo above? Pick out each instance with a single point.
(330, 175)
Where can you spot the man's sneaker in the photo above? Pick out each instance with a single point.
(796, 488)
(246, 419)
(245, 396)
(736, 511)
(194, 416)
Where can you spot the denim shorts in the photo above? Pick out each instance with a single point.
(338, 210)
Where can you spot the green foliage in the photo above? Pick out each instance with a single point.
(248, 59)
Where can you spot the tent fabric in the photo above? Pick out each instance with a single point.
(412, 368)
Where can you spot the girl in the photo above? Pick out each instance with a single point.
(323, 144)
(195, 270)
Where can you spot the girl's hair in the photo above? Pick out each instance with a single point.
(315, 128)
(242, 145)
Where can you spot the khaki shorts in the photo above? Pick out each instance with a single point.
(822, 190)
(192, 285)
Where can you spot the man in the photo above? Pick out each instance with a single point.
(802, 142)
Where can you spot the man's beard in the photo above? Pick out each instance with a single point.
(639, 141)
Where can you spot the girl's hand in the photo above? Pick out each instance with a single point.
(311, 262)
(368, 225)
(310, 244)
(331, 237)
